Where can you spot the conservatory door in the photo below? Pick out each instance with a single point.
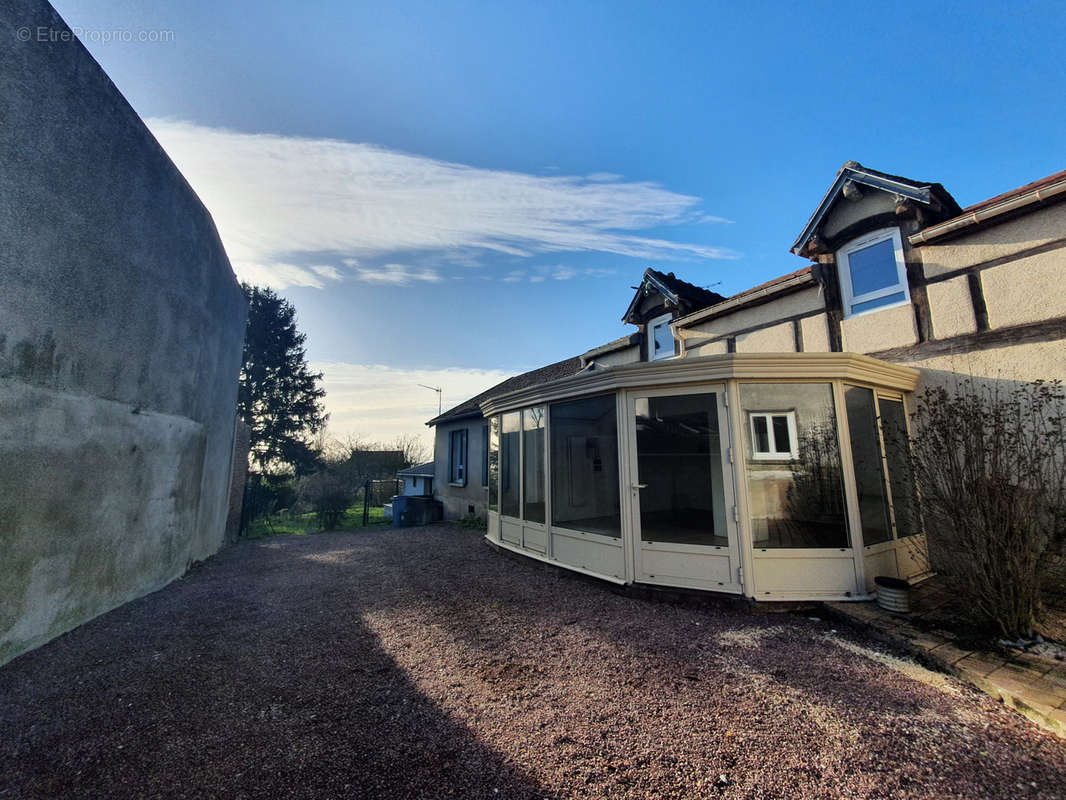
(682, 507)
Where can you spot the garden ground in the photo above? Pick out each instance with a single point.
(419, 663)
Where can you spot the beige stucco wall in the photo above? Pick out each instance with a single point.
(1028, 290)
(951, 308)
(715, 348)
(815, 332)
(1000, 240)
(777, 339)
(1022, 362)
(799, 302)
(880, 330)
(845, 213)
(627, 356)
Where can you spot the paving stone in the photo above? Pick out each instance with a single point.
(980, 664)
(927, 641)
(1036, 663)
(949, 653)
(1026, 685)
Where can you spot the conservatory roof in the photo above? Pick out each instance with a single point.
(710, 369)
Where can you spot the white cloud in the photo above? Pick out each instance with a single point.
(563, 273)
(380, 403)
(282, 201)
(394, 274)
(514, 276)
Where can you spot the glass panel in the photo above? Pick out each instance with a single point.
(887, 300)
(873, 268)
(679, 458)
(484, 455)
(762, 436)
(900, 473)
(494, 464)
(781, 442)
(584, 466)
(533, 464)
(509, 464)
(799, 503)
(664, 341)
(869, 472)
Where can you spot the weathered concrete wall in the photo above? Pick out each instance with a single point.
(120, 343)
(458, 499)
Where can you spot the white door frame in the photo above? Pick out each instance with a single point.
(635, 546)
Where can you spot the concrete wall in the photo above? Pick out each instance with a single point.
(121, 326)
(457, 500)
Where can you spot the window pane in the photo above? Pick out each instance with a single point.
(781, 442)
(869, 473)
(494, 464)
(799, 503)
(533, 464)
(873, 268)
(584, 464)
(887, 300)
(679, 459)
(900, 474)
(509, 464)
(663, 341)
(484, 455)
(762, 436)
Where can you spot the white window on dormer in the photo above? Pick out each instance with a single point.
(872, 272)
(660, 338)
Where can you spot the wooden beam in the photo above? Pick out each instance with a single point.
(1045, 331)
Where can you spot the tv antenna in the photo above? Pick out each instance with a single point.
(436, 389)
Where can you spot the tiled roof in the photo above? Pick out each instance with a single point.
(771, 283)
(1029, 187)
(420, 470)
(471, 407)
(694, 296)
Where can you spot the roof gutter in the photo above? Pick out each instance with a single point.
(734, 303)
(990, 212)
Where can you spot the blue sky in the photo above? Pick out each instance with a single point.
(461, 191)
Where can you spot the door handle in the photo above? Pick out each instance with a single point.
(639, 486)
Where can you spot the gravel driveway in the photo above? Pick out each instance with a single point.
(420, 663)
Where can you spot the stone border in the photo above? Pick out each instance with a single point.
(1032, 686)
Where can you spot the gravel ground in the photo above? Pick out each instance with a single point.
(422, 664)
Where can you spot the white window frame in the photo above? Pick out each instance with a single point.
(844, 271)
(663, 319)
(793, 440)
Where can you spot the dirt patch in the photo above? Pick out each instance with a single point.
(419, 663)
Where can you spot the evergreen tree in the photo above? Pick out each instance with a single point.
(280, 399)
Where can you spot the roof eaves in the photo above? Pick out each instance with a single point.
(652, 277)
(757, 294)
(1022, 198)
(853, 171)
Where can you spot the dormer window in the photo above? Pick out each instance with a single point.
(873, 274)
(660, 338)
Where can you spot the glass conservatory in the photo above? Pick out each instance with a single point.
(776, 476)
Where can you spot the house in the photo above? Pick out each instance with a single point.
(417, 480)
(755, 444)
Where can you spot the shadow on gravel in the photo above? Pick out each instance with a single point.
(251, 677)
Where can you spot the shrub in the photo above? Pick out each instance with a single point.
(328, 495)
(990, 464)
